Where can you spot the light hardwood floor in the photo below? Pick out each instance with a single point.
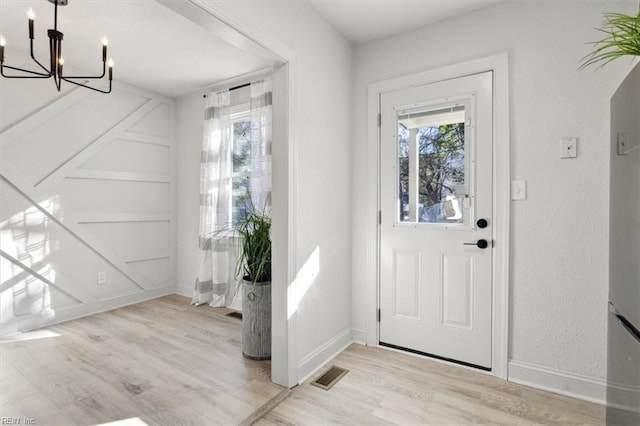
(166, 363)
(161, 361)
(386, 387)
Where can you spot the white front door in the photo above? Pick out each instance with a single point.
(436, 219)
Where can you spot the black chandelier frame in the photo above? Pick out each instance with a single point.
(56, 61)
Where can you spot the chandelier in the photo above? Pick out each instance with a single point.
(56, 61)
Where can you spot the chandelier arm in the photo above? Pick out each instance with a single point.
(87, 87)
(37, 74)
(104, 72)
(36, 61)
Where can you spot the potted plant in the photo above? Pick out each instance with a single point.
(254, 265)
(622, 39)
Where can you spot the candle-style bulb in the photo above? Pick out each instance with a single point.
(31, 14)
(105, 43)
(3, 42)
(61, 61)
(110, 69)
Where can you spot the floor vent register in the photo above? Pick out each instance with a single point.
(330, 377)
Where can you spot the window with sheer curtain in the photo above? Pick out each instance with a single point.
(235, 175)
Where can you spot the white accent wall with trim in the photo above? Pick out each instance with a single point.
(87, 213)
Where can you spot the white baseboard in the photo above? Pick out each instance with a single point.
(184, 290)
(359, 336)
(569, 384)
(323, 354)
(78, 311)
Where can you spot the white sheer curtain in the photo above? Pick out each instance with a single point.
(260, 180)
(216, 283)
(214, 275)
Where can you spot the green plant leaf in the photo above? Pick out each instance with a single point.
(254, 258)
(622, 39)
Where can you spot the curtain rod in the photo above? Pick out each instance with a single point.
(235, 88)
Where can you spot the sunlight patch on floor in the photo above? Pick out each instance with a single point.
(133, 421)
(31, 335)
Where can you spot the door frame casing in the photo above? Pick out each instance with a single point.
(499, 64)
(225, 22)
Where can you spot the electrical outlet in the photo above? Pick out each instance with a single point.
(569, 147)
(102, 278)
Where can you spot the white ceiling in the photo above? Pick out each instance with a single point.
(364, 20)
(152, 46)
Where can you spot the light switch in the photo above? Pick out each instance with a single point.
(623, 144)
(568, 147)
(518, 190)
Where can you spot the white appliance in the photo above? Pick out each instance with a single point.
(623, 340)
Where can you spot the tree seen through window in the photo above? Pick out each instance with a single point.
(441, 163)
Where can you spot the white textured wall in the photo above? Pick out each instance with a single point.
(101, 169)
(189, 135)
(625, 199)
(559, 234)
(323, 199)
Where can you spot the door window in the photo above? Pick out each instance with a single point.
(432, 165)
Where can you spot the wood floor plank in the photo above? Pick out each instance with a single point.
(387, 387)
(11, 379)
(164, 362)
(37, 408)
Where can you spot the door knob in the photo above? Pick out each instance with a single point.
(482, 223)
(480, 244)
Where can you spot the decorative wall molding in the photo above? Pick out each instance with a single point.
(80, 188)
(89, 241)
(164, 254)
(73, 293)
(93, 147)
(138, 137)
(123, 176)
(44, 114)
(85, 218)
(573, 385)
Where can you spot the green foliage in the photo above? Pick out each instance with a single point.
(254, 260)
(622, 39)
(440, 161)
